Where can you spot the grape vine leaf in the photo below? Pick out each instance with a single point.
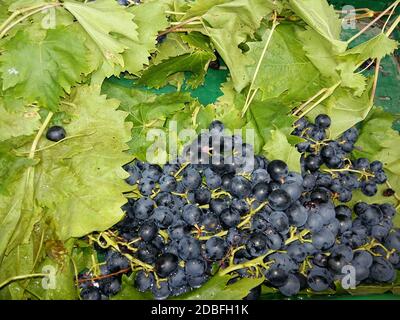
(80, 180)
(231, 24)
(105, 23)
(321, 16)
(217, 288)
(150, 18)
(195, 63)
(148, 112)
(345, 109)
(28, 121)
(57, 60)
(378, 140)
(279, 148)
(285, 68)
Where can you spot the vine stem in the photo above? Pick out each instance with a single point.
(178, 26)
(388, 19)
(375, 84)
(393, 26)
(10, 25)
(39, 135)
(22, 277)
(373, 21)
(250, 94)
(309, 100)
(325, 96)
(247, 264)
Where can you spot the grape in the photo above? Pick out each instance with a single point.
(319, 279)
(324, 239)
(226, 181)
(297, 215)
(189, 248)
(148, 231)
(320, 260)
(279, 221)
(210, 222)
(177, 279)
(91, 293)
(167, 183)
(274, 240)
(336, 263)
(240, 187)
(297, 251)
(153, 172)
(258, 223)
(240, 205)
(256, 245)
(276, 276)
(229, 218)
(260, 176)
(202, 196)
(369, 188)
(218, 205)
(195, 267)
(260, 191)
(163, 216)
(213, 180)
(197, 282)
(178, 230)
(146, 186)
(166, 264)
(314, 222)
(216, 127)
(313, 162)
(381, 270)
(134, 174)
(278, 170)
(191, 179)
(279, 200)
(110, 286)
(116, 262)
(319, 195)
(161, 291)
(147, 253)
(371, 216)
(342, 211)
(309, 181)
(291, 286)
(283, 261)
(293, 189)
(191, 214)
(144, 281)
(301, 123)
(56, 133)
(216, 248)
(393, 240)
(363, 258)
(360, 207)
(376, 166)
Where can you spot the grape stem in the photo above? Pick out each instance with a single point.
(22, 277)
(362, 173)
(394, 4)
(7, 27)
(39, 135)
(178, 26)
(251, 263)
(251, 94)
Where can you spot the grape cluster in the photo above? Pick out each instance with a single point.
(220, 208)
(340, 175)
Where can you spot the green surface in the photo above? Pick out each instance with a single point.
(387, 96)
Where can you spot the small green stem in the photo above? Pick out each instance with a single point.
(22, 277)
(39, 135)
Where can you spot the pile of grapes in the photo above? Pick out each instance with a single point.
(222, 207)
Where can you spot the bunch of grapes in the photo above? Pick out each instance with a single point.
(220, 208)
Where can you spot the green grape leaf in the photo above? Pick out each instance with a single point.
(105, 24)
(229, 25)
(321, 16)
(148, 112)
(195, 63)
(217, 288)
(345, 109)
(150, 18)
(285, 68)
(61, 284)
(173, 46)
(28, 120)
(86, 167)
(56, 62)
(278, 147)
